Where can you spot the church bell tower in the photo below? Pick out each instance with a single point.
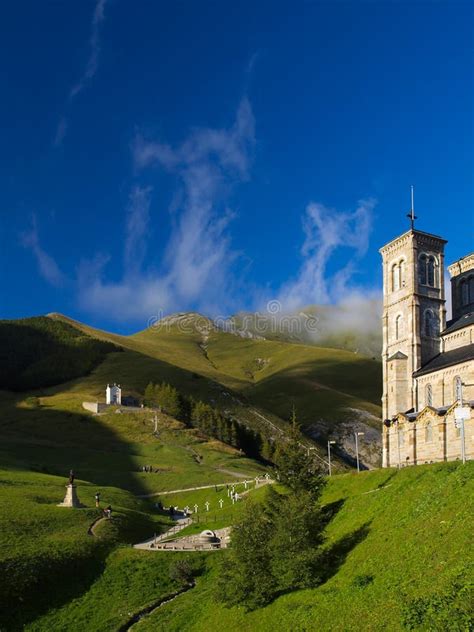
(413, 313)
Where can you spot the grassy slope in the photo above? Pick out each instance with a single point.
(110, 449)
(45, 550)
(318, 381)
(43, 438)
(41, 351)
(42, 545)
(395, 536)
(246, 377)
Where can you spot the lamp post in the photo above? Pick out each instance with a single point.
(330, 443)
(398, 444)
(461, 415)
(357, 435)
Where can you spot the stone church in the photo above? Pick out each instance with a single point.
(428, 363)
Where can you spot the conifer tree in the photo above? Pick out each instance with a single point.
(149, 397)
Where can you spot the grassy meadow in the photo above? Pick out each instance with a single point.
(259, 382)
(46, 550)
(393, 538)
(398, 553)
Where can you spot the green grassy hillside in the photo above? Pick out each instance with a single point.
(398, 543)
(257, 381)
(398, 557)
(40, 351)
(401, 558)
(45, 550)
(53, 434)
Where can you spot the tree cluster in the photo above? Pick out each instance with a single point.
(166, 398)
(208, 420)
(276, 545)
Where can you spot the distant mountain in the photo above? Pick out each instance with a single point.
(353, 325)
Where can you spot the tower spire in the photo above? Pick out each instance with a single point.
(411, 215)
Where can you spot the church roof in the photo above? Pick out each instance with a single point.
(448, 358)
(463, 321)
(415, 231)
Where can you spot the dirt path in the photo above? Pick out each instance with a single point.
(91, 530)
(193, 489)
(237, 474)
(181, 524)
(136, 618)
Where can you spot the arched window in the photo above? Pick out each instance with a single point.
(422, 269)
(428, 395)
(457, 389)
(471, 289)
(428, 432)
(464, 292)
(399, 327)
(431, 271)
(395, 278)
(430, 324)
(401, 273)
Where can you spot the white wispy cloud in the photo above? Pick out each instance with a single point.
(90, 69)
(195, 269)
(94, 49)
(327, 232)
(47, 265)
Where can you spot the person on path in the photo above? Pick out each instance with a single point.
(108, 511)
(97, 499)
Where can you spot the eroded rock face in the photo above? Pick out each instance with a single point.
(343, 432)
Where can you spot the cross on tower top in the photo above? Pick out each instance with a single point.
(411, 215)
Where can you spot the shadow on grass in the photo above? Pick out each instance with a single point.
(334, 557)
(329, 511)
(387, 480)
(52, 582)
(49, 441)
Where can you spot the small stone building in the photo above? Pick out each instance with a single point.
(428, 363)
(113, 395)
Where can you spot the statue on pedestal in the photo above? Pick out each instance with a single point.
(71, 499)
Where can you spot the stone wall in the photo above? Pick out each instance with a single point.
(460, 338)
(442, 385)
(429, 438)
(94, 407)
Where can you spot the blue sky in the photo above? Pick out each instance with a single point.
(160, 157)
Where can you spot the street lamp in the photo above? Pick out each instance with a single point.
(330, 443)
(461, 415)
(357, 435)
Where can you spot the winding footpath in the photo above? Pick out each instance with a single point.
(136, 618)
(181, 523)
(192, 489)
(91, 529)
